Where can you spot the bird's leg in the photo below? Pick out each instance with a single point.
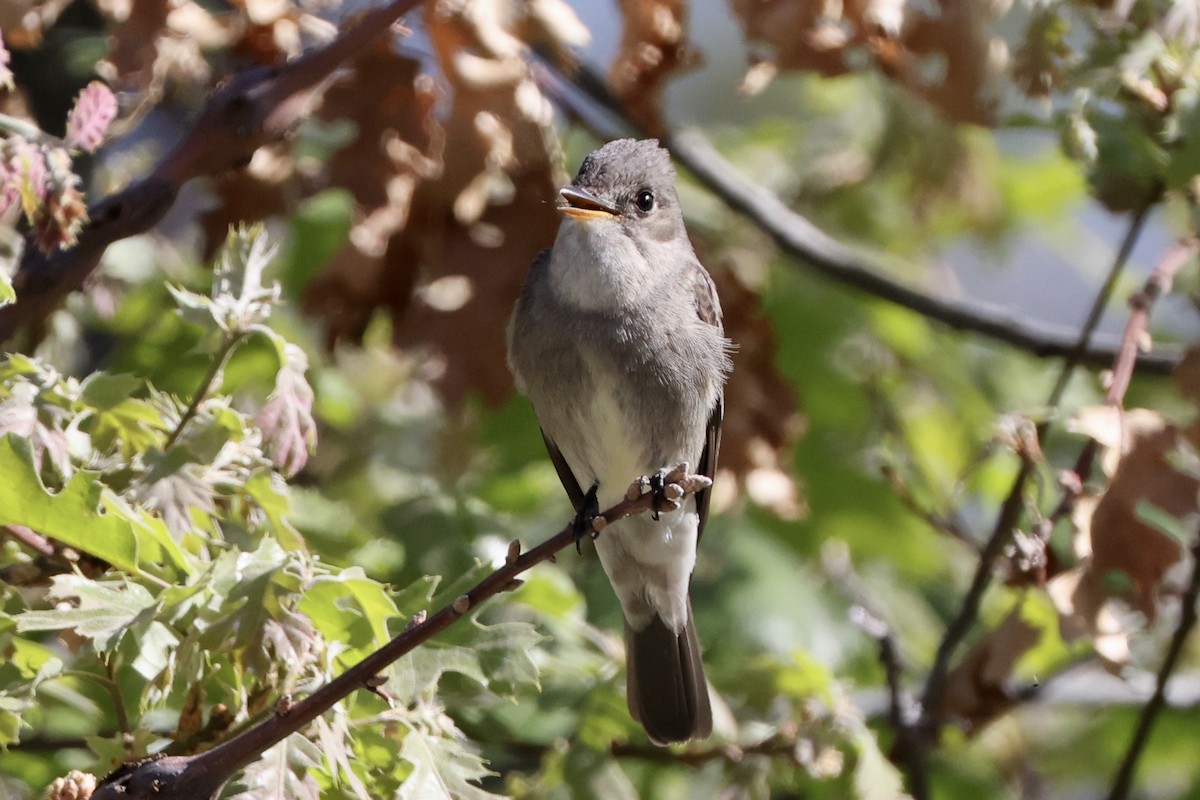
(589, 509)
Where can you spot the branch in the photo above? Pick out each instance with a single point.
(1187, 620)
(254, 108)
(201, 777)
(586, 98)
(1010, 511)
(906, 748)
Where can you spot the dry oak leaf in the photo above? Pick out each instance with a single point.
(941, 51)
(762, 423)
(1086, 608)
(977, 688)
(653, 47)
(1140, 447)
(446, 240)
(396, 146)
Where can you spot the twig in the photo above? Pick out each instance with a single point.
(228, 345)
(34, 541)
(803, 240)
(1010, 510)
(1136, 328)
(947, 525)
(905, 751)
(1140, 304)
(200, 777)
(1141, 735)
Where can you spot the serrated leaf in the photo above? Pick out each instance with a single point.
(443, 769)
(286, 419)
(494, 656)
(281, 773)
(240, 299)
(94, 109)
(101, 610)
(270, 492)
(85, 515)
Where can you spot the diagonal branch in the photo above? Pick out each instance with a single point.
(586, 98)
(201, 777)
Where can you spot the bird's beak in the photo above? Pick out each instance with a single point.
(578, 204)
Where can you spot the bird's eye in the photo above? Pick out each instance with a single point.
(644, 201)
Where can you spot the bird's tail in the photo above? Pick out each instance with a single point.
(667, 691)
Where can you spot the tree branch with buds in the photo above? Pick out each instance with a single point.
(201, 777)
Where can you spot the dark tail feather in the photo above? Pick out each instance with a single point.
(667, 691)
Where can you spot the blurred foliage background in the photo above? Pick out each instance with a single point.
(298, 455)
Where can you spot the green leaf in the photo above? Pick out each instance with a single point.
(85, 515)
(443, 769)
(101, 610)
(282, 773)
(351, 609)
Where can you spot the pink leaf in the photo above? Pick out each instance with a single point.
(289, 430)
(88, 121)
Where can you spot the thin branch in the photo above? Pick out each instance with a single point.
(586, 98)
(1123, 781)
(1136, 329)
(905, 751)
(219, 361)
(945, 524)
(1010, 510)
(201, 777)
(1140, 304)
(34, 541)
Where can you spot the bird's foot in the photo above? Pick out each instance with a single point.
(586, 516)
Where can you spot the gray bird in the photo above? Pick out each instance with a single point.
(617, 341)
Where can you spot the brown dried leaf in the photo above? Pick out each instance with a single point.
(976, 690)
(156, 42)
(455, 260)
(1086, 608)
(25, 21)
(1140, 447)
(762, 423)
(396, 147)
(653, 47)
(267, 186)
(944, 54)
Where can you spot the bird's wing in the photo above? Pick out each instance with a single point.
(569, 481)
(708, 308)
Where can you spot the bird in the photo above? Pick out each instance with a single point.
(617, 340)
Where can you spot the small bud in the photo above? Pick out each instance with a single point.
(462, 604)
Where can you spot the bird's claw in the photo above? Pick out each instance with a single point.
(659, 501)
(588, 511)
